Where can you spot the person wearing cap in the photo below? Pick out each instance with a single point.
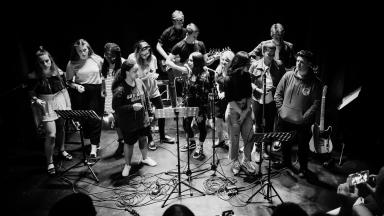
(273, 72)
(284, 54)
(111, 64)
(169, 38)
(297, 99)
(147, 63)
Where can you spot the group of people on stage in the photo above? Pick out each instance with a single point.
(247, 93)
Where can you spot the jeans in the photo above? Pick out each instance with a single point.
(158, 103)
(234, 130)
(302, 137)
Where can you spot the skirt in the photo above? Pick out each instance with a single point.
(53, 102)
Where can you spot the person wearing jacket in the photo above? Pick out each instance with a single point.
(131, 104)
(297, 99)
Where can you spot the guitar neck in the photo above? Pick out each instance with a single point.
(322, 112)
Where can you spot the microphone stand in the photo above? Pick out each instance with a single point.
(264, 77)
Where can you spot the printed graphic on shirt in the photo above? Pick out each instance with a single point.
(306, 91)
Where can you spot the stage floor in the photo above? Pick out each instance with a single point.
(31, 191)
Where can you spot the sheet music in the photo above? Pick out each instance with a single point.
(77, 114)
(349, 98)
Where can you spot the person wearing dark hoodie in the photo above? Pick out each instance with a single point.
(131, 104)
(297, 99)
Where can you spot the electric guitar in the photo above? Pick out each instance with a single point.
(321, 141)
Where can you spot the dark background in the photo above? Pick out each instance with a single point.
(341, 36)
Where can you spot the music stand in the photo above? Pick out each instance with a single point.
(269, 138)
(79, 115)
(176, 113)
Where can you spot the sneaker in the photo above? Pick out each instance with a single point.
(51, 169)
(93, 150)
(126, 170)
(152, 146)
(192, 145)
(198, 153)
(248, 167)
(256, 156)
(167, 139)
(65, 156)
(149, 161)
(236, 167)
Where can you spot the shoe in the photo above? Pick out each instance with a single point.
(167, 139)
(198, 153)
(257, 157)
(51, 169)
(149, 161)
(152, 146)
(236, 167)
(219, 143)
(248, 167)
(120, 150)
(192, 145)
(92, 159)
(64, 155)
(276, 146)
(126, 170)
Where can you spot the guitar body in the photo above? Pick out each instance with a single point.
(321, 140)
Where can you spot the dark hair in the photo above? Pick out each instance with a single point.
(178, 210)
(308, 55)
(198, 63)
(81, 42)
(115, 50)
(138, 47)
(289, 208)
(191, 28)
(122, 73)
(39, 72)
(76, 204)
(240, 62)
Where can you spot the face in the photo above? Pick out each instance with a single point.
(190, 61)
(83, 52)
(225, 60)
(277, 36)
(269, 53)
(45, 62)
(145, 52)
(132, 73)
(178, 23)
(111, 57)
(302, 64)
(194, 35)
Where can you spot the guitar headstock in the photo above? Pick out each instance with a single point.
(214, 53)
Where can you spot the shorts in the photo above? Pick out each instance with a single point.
(132, 137)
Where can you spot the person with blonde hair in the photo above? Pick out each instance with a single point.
(221, 101)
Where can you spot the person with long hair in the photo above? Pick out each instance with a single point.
(49, 93)
(88, 89)
(198, 88)
(147, 66)
(131, 104)
(111, 64)
(238, 90)
(221, 103)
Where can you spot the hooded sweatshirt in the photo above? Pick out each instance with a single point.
(124, 96)
(297, 99)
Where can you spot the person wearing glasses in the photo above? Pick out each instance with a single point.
(169, 38)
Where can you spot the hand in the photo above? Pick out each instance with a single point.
(168, 62)
(137, 106)
(80, 88)
(153, 75)
(40, 102)
(221, 95)
(345, 194)
(103, 93)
